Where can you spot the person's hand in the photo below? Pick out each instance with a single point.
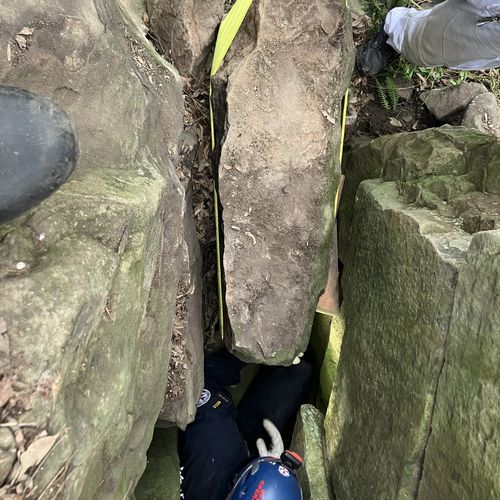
(296, 361)
(277, 447)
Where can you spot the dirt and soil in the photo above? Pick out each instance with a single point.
(366, 114)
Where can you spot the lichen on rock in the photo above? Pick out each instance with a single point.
(419, 287)
(88, 278)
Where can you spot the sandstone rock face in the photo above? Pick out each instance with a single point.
(309, 442)
(89, 278)
(185, 381)
(185, 29)
(279, 171)
(483, 114)
(461, 459)
(416, 395)
(446, 168)
(161, 479)
(331, 359)
(398, 285)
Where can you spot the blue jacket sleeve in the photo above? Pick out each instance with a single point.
(222, 369)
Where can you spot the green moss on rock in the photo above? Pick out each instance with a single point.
(308, 441)
(161, 479)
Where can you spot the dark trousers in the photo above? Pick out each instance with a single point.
(222, 438)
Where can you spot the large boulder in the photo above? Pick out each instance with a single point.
(89, 278)
(448, 101)
(444, 168)
(421, 332)
(279, 170)
(184, 29)
(399, 289)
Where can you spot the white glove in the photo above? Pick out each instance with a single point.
(277, 447)
(296, 361)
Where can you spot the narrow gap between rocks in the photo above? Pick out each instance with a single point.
(198, 166)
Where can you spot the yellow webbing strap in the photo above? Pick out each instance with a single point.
(228, 30)
(339, 187)
(341, 152)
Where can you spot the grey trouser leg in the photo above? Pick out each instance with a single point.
(446, 35)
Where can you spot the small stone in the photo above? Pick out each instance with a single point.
(447, 101)
(20, 266)
(21, 42)
(7, 459)
(6, 439)
(7, 453)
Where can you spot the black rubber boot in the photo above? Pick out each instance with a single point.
(375, 55)
(38, 150)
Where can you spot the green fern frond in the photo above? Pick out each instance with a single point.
(392, 92)
(382, 94)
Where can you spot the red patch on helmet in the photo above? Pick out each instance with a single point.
(258, 494)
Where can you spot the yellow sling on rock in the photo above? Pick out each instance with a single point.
(228, 30)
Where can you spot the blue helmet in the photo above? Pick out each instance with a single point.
(269, 479)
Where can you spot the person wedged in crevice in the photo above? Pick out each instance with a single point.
(219, 452)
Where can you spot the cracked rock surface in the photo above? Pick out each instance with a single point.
(279, 170)
(184, 29)
(416, 395)
(88, 279)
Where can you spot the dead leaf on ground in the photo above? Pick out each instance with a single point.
(19, 439)
(35, 453)
(5, 495)
(395, 122)
(26, 31)
(6, 391)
